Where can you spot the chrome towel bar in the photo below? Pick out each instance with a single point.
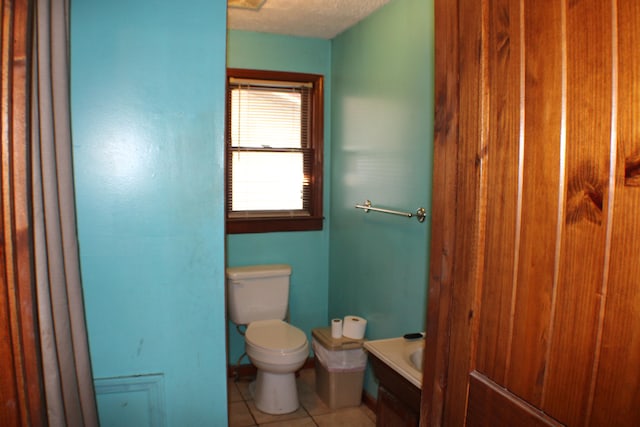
(420, 212)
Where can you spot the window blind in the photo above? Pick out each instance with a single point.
(269, 147)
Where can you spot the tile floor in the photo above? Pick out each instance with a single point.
(312, 411)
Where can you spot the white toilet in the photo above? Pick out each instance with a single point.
(258, 297)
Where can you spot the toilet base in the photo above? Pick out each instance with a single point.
(275, 393)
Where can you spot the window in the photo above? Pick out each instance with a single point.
(274, 151)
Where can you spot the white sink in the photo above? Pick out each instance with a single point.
(401, 355)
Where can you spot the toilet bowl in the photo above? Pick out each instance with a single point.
(258, 298)
(277, 349)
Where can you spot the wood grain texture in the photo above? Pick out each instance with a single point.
(575, 320)
(10, 415)
(617, 388)
(543, 32)
(491, 405)
(542, 313)
(503, 186)
(465, 279)
(21, 392)
(443, 213)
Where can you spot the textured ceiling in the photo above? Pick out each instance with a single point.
(305, 18)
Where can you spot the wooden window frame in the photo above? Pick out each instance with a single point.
(272, 223)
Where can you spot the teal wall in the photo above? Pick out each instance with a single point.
(306, 252)
(382, 143)
(148, 115)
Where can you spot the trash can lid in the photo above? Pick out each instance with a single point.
(323, 336)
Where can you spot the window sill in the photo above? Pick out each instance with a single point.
(270, 225)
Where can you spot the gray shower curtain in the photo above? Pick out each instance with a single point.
(68, 382)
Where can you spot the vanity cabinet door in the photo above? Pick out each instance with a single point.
(392, 412)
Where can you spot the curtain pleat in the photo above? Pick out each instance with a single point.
(68, 380)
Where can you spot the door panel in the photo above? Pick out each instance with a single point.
(617, 386)
(539, 272)
(490, 405)
(469, 173)
(504, 184)
(22, 400)
(541, 99)
(576, 319)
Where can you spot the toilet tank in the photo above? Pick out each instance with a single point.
(257, 292)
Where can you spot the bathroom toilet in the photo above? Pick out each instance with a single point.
(258, 297)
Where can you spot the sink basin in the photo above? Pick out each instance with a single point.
(401, 355)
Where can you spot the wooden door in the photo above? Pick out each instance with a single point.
(534, 298)
(22, 400)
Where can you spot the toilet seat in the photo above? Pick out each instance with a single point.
(275, 336)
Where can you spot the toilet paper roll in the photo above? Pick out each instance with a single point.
(336, 328)
(354, 327)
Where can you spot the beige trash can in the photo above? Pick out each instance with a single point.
(340, 364)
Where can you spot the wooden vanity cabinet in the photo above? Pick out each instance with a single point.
(398, 399)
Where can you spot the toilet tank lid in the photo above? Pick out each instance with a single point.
(254, 271)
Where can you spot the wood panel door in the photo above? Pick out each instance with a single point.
(22, 399)
(534, 298)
